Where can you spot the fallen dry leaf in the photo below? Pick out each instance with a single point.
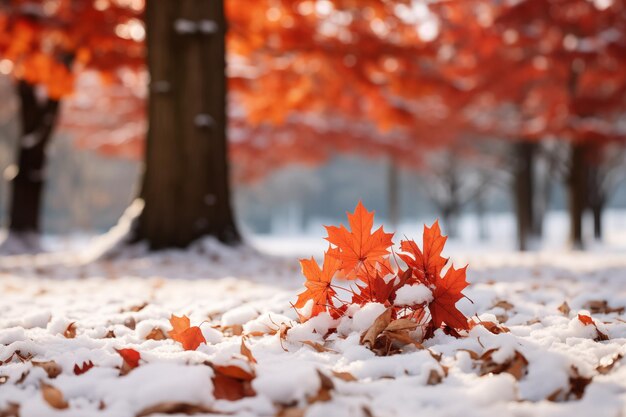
(51, 367)
(368, 338)
(503, 304)
(434, 378)
(53, 396)
(601, 307)
(345, 376)
(245, 351)
(324, 392)
(11, 410)
(231, 382)
(156, 334)
(317, 346)
(176, 408)
(564, 308)
(607, 365)
(515, 366)
(401, 324)
(70, 331)
(233, 330)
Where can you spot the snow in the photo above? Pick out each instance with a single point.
(409, 295)
(220, 288)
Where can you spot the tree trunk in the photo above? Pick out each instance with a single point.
(577, 193)
(393, 193)
(596, 196)
(37, 123)
(483, 234)
(524, 192)
(185, 185)
(597, 210)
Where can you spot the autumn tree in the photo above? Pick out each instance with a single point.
(44, 45)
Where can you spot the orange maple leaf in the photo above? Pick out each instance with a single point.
(427, 263)
(445, 296)
(189, 336)
(318, 283)
(130, 357)
(360, 250)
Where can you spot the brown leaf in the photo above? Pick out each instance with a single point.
(245, 351)
(323, 394)
(564, 308)
(402, 338)
(602, 307)
(70, 331)
(11, 410)
(607, 366)
(51, 367)
(345, 376)
(505, 305)
(317, 346)
(156, 334)
(434, 378)
(232, 371)
(175, 408)
(3, 379)
(401, 324)
(130, 323)
(475, 356)
(492, 327)
(136, 308)
(53, 396)
(368, 338)
(515, 366)
(233, 330)
(231, 382)
(578, 383)
(291, 412)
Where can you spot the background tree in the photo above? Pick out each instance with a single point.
(44, 44)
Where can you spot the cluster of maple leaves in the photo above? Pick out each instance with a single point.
(366, 261)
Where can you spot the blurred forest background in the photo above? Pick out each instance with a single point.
(505, 119)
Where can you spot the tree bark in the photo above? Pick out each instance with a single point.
(38, 120)
(393, 193)
(524, 192)
(596, 196)
(597, 210)
(185, 185)
(577, 193)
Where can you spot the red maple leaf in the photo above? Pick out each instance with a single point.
(376, 290)
(318, 283)
(445, 296)
(428, 262)
(79, 370)
(131, 357)
(360, 250)
(189, 336)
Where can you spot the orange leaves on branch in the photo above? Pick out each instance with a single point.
(448, 290)
(427, 263)
(189, 336)
(365, 256)
(318, 282)
(360, 249)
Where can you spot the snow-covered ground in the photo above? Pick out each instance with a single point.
(543, 359)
